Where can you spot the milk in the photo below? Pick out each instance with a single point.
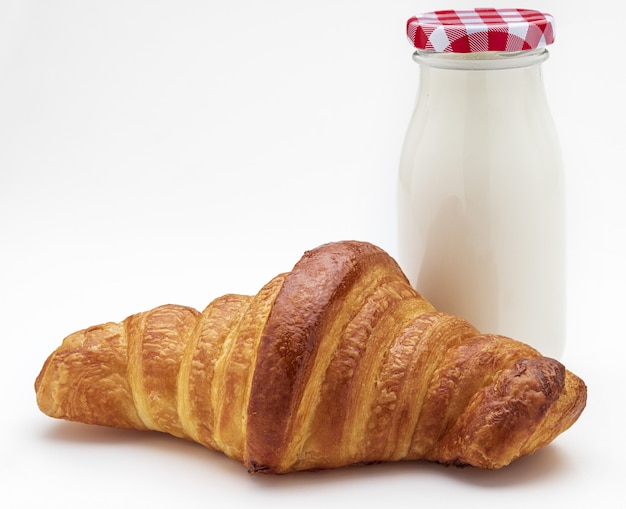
(481, 196)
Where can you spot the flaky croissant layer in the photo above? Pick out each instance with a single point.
(339, 361)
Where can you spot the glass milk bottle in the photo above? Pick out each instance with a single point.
(481, 191)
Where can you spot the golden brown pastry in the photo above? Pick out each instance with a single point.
(337, 362)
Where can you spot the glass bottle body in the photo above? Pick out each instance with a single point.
(481, 196)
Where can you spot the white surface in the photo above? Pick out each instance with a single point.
(155, 152)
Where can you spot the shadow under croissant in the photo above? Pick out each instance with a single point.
(158, 444)
(543, 464)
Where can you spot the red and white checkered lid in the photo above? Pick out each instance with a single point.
(484, 29)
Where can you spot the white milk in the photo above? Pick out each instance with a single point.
(481, 196)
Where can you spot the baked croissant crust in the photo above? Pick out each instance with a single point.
(338, 362)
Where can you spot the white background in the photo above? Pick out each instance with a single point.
(173, 151)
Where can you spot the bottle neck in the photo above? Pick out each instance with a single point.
(509, 81)
(481, 61)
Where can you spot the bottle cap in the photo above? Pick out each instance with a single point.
(483, 29)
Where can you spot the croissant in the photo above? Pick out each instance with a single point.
(338, 362)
